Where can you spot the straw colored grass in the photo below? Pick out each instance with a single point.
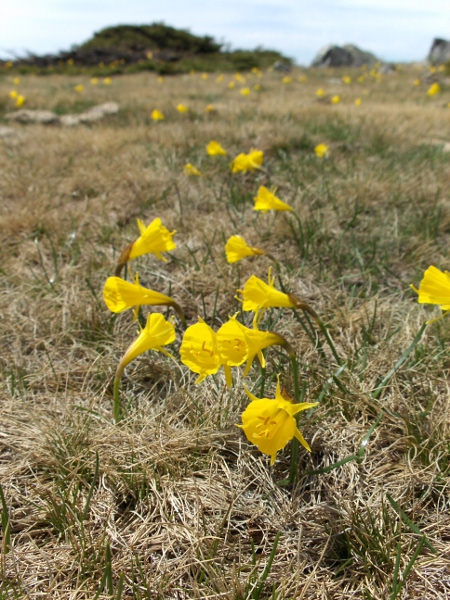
(181, 505)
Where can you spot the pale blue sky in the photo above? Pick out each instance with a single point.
(397, 30)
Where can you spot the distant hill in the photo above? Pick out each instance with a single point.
(155, 47)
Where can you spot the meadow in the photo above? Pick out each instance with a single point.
(169, 499)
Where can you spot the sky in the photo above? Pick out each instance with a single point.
(395, 30)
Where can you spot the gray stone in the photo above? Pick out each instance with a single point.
(7, 132)
(46, 117)
(282, 67)
(96, 113)
(343, 56)
(439, 52)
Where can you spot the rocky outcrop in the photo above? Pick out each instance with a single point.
(343, 56)
(47, 117)
(439, 52)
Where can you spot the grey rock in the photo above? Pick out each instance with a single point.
(439, 52)
(69, 120)
(96, 113)
(282, 67)
(7, 132)
(343, 56)
(46, 117)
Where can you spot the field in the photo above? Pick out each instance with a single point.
(172, 501)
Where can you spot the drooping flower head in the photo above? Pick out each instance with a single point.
(247, 162)
(435, 289)
(215, 149)
(199, 350)
(270, 423)
(237, 248)
(266, 200)
(190, 170)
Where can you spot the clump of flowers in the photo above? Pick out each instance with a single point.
(247, 162)
(157, 115)
(215, 149)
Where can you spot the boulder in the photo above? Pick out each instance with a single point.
(45, 117)
(439, 52)
(343, 56)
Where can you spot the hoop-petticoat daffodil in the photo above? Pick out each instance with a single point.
(247, 162)
(270, 423)
(435, 289)
(120, 295)
(182, 108)
(237, 248)
(434, 89)
(191, 170)
(157, 115)
(266, 200)
(335, 99)
(321, 150)
(258, 296)
(215, 149)
(154, 239)
(199, 350)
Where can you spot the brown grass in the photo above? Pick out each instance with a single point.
(186, 507)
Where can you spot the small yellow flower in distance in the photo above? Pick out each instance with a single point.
(358, 102)
(441, 68)
(239, 78)
(149, 55)
(257, 87)
(107, 81)
(20, 101)
(434, 89)
(321, 150)
(157, 333)
(154, 239)
(182, 108)
(191, 170)
(320, 92)
(361, 79)
(79, 88)
(94, 81)
(70, 61)
(199, 351)
(247, 162)
(219, 79)
(232, 85)
(416, 82)
(9, 64)
(266, 200)
(258, 295)
(256, 70)
(335, 100)
(287, 79)
(302, 78)
(215, 149)
(210, 108)
(120, 295)
(237, 248)
(13, 94)
(432, 70)
(270, 423)
(16, 80)
(160, 79)
(205, 76)
(435, 289)
(346, 79)
(157, 115)
(245, 91)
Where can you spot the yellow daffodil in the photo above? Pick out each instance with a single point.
(20, 100)
(270, 423)
(94, 81)
(157, 115)
(435, 289)
(320, 93)
(287, 79)
(335, 100)
(160, 79)
(149, 55)
(358, 102)
(13, 94)
(239, 78)
(210, 108)
(16, 80)
(232, 85)
(302, 79)
(346, 79)
(204, 76)
(432, 70)
(245, 91)
(215, 149)
(191, 170)
(237, 248)
(199, 350)
(361, 79)
(266, 200)
(232, 347)
(157, 332)
(181, 108)
(257, 87)
(120, 295)
(434, 89)
(416, 82)
(247, 162)
(321, 150)
(219, 79)
(258, 295)
(79, 88)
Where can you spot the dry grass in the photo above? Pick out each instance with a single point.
(182, 506)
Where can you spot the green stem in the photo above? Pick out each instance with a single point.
(263, 380)
(295, 443)
(117, 409)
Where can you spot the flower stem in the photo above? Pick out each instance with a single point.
(117, 409)
(298, 397)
